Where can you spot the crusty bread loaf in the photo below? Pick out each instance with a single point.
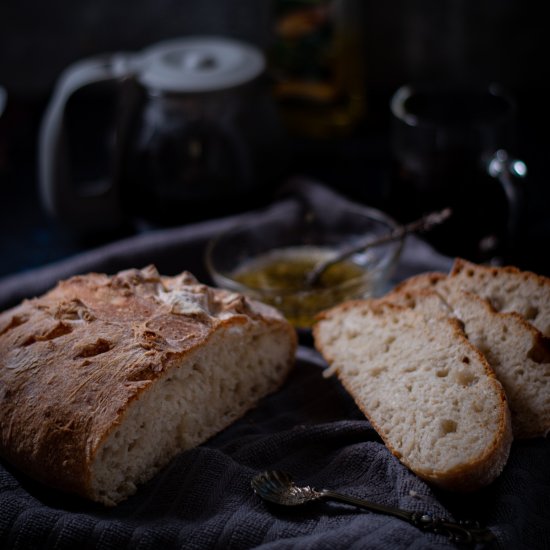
(104, 379)
(426, 389)
(517, 352)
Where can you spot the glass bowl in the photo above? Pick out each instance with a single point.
(268, 259)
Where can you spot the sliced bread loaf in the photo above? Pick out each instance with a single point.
(104, 379)
(426, 389)
(516, 351)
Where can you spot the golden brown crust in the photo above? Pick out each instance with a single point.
(460, 265)
(421, 282)
(72, 360)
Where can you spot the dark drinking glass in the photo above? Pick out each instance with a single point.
(451, 148)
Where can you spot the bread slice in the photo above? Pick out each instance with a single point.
(507, 289)
(426, 389)
(515, 350)
(103, 380)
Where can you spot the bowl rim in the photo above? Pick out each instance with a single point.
(224, 281)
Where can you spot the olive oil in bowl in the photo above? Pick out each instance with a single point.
(278, 277)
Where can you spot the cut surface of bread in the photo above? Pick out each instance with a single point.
(105, 379)
(426, 389)
(515, 350)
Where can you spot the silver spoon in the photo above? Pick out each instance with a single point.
(278, 487)
(423, 224)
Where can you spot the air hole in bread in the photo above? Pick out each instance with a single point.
(540, 352)
(477, 407)
(448, 426)
(15, 321)
(388, 342)
(531, 313)
(496, 303)
(60, 329)
(466, 378)
(95, 348)
(377, 371)
(442, 373)
(466, 360)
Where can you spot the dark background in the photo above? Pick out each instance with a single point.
(504, 41)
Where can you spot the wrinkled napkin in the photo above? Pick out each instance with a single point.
(310, 428)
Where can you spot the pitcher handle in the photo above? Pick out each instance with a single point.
(98, 208)
(510, 172)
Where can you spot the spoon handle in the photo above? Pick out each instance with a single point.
(461, 532)
(418, 226)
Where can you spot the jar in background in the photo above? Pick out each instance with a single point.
(182, 131)
(317, 64)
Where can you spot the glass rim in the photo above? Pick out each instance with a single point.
(408, 91)
(224, 279)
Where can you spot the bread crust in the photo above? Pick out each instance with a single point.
(74, 359)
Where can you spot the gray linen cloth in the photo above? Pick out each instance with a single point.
(310, 428)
